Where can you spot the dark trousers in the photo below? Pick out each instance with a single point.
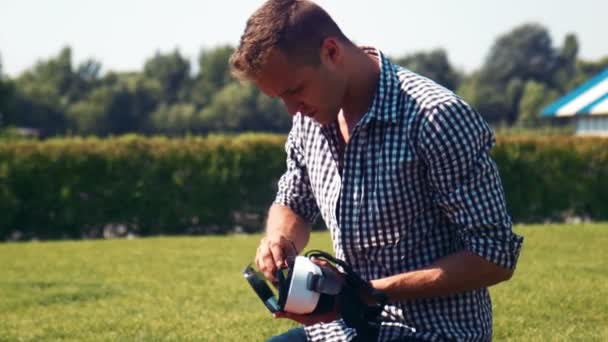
(293, 335)
(298, 335)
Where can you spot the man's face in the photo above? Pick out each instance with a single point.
(313, 90)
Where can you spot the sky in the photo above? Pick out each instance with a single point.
(122, 34)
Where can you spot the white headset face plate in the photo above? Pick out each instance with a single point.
(300, 300)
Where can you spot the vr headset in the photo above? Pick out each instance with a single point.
(306, 288)
(303, 287)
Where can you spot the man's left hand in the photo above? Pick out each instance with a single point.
(307, 320)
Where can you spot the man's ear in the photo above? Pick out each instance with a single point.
(331, 51)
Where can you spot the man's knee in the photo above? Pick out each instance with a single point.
(293, 335)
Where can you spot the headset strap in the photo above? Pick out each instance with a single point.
(327, 283)
(350, 276)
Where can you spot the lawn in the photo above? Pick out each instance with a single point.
(191, 289)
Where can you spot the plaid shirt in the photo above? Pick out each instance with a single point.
(416, 184)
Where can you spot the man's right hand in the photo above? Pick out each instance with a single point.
(272, 254)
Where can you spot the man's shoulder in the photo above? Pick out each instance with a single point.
(423, 102)
(422, 93)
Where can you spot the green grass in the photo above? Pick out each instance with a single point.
(191, 289)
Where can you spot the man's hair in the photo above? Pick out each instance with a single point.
(296, 27)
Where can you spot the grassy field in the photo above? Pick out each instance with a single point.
(191, 289)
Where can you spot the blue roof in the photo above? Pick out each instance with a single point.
(591, 98)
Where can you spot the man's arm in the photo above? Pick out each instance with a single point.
(286, 235)
(293, 211)
(458, 272)
(282, 221)
(454, 142)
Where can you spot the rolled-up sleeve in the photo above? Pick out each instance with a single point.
(294, 190)
(454, 143)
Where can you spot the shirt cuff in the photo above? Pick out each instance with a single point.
(502, 252)
(305, 211)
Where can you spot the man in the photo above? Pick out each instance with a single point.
(397, 166)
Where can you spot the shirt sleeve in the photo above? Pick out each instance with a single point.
(454, 142)
(294, 190)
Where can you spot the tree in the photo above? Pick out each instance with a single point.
(6, 96)
(213, 74)
(239, 108)
(526, 53)
(434, 65)
(49, 81)
(229, 108)
(491, 103)
(567, 64)
(122, 103)
(569, 51)
(89, 116)
(179, 118)
(586, 70)
(43, 92)
(172, 71)
(271, 116)
(535, 96)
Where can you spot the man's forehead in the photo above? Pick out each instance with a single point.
(276, 56)
(276, 75)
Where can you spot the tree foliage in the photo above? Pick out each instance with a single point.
(526, 53)
(434, 65)
(522, 72)
(535, 96)
(171, 71)
(6, 96)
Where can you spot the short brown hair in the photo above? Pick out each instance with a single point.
(296, 27)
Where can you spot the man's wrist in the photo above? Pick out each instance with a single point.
(293, 244)
(381, 285)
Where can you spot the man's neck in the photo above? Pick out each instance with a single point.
(364, 71)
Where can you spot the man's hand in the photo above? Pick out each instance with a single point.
(272, 254)
(311, 319)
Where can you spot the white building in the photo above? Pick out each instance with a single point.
(588, 104)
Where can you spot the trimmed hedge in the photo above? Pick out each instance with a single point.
(552, 178)
(73, 188)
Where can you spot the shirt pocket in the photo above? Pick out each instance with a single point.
(394, 200)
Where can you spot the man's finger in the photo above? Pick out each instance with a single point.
(268, 266)
(257, 258)
(320, 262)
(259, 254)
(265, 262)
(278, 254)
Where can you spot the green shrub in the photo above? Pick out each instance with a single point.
(81, 187)
(554, 177)
(75, 187)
